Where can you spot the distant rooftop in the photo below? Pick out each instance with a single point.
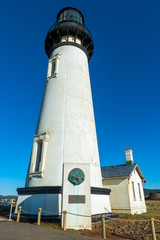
(120, 171)
(117, 170)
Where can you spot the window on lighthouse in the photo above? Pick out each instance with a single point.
(38, 157)
(64, 39)
(53, 66)
(70, 39)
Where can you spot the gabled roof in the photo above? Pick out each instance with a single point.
(121, 171)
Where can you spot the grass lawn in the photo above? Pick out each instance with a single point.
(57, 226)
(153, 211)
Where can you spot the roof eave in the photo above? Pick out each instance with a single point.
(115, 177)
(139, 172)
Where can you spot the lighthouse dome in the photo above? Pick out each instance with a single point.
(70, 14)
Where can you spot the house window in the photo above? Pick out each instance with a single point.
(38, 156)
(139, 188)
(133, 189)
(53, 66)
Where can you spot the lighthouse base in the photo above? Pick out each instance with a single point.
(50, 203)
(50, 200)
(76, 196)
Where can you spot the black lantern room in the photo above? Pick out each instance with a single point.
(69, 30)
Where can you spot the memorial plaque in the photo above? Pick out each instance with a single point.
(76, 176)
(76, 199)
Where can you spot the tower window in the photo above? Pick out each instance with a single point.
(53, 66)
(78, 40)
(133, 189)
(64, 39)
(38, 156)
(70, 39)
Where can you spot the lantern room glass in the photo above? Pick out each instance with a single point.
(70, 15)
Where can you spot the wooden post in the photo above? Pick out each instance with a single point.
(19, 213)
(64, 220)
(10, 214)
(153, 229)
(103, 227)
(39, 216)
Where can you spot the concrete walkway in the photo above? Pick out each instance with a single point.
(25, 231)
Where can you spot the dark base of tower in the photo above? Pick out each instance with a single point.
(57, 218)
(98, 217)
(57, 189)
(33, 218)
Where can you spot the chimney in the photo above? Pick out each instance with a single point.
(129, 156)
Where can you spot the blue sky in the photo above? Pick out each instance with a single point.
(125, 79)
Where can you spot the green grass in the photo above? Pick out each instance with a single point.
(153, 211)
(57, 226)
(148, 215)
(51, 225)
(72, 231)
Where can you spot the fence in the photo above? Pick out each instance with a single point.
(103, 221)
(7, 203)
(151, 221)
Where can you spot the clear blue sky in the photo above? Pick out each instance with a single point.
(125, 79)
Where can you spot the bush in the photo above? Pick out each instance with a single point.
(152, 196)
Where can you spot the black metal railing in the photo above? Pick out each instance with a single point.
(58, 23)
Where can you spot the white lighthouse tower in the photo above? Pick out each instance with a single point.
(64, 171)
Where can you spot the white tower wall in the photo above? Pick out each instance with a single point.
(67, 116)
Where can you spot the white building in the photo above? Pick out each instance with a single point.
(126, 184)
(64, 171)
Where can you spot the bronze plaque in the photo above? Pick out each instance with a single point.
(76, 199)
(76, 176)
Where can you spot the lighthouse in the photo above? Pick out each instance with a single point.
(64, 171)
